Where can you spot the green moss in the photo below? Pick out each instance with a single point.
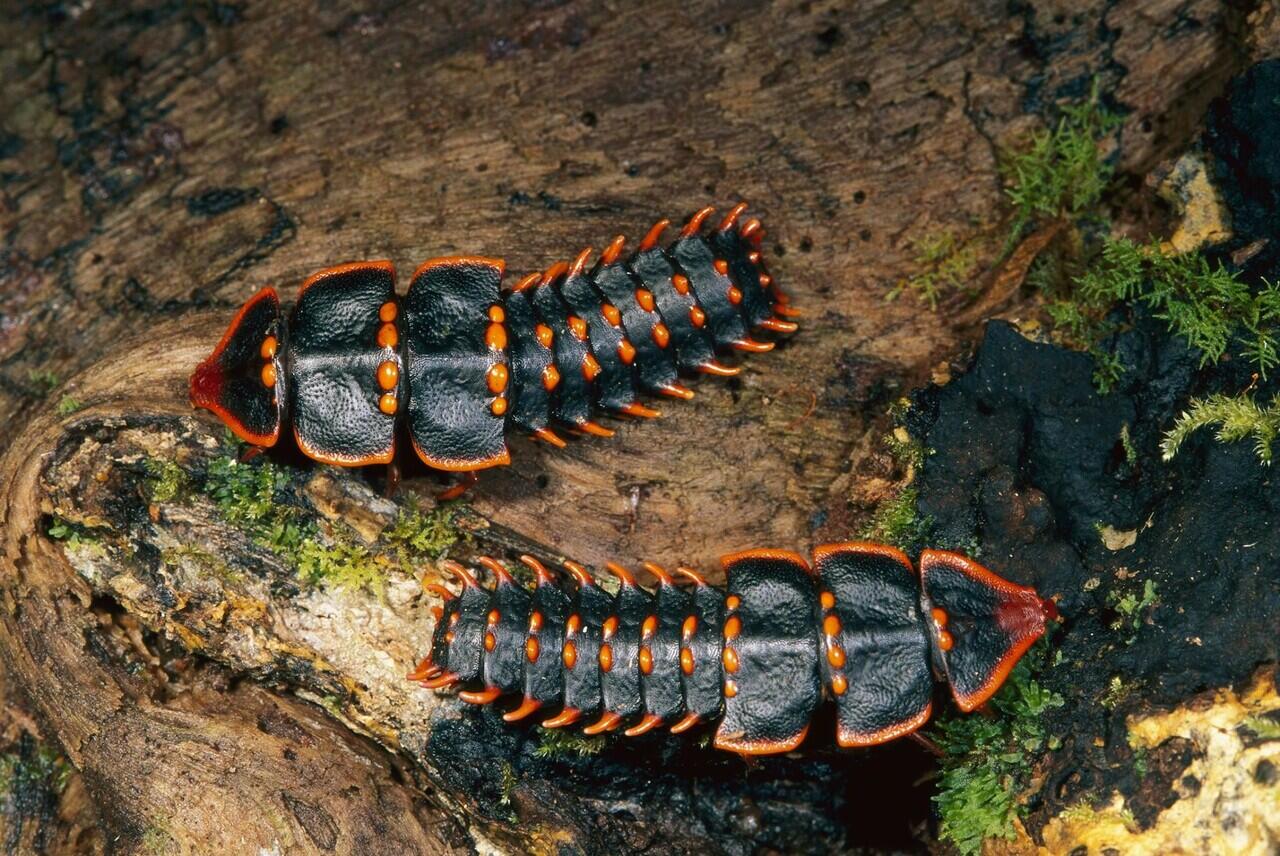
(165, 480)
(428, 534)
(254, 496)
(1132, 607)
(1117, 691)
(559, 743)
(1126, 443)
(68, 405)
(1204, 303)
(507, 785)
(43, 381)
(74, 535)
(1061, 174)
(987, 761)
(33, 767)
(342, 564)
(944, 264)
(1263, 727)
(1237, 418)
(250, 495)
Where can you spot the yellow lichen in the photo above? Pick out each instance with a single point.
(1233, 811)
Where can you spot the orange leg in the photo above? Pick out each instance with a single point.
(468, 479)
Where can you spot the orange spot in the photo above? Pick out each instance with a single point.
(831, 625)
(689, 627)
(945, 642)
(578, 327)
(490, 641)
(828, 600)
(722, 267)
(569, 655)
(387, 312)
(730, 658)
(681, 283)
(734, 295)
(388, 336)
(494, 617)
(388, 404)
(730, 689)
(453, 619)
(268, 349)
(606, 657)
(661, 335)
(388, 375)
(939, 616)
(574, 624)
(269, 375)
(649, 627)
(839, 684)
(686, 661)
(644, 297)
(497, 314)
(535, 621)
(590, 368)
(646, 660)
(550, 377)
(611, 313)
(835, 656)
(496, 337)
(732, 627)
(497, 377)
(498, 406)
(765, 280)
(754, 257)
(696, 316)
(610, 626)
(545, 335)
(448, 637)
(531, 649)
(626, 352)
(732, 602)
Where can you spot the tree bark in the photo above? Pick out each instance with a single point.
(159, 162)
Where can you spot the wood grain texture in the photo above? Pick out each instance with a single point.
(160, 161)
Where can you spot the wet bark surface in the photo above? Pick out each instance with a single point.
(161, 161)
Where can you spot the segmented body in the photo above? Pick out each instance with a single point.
(461, 361)
(858, 626)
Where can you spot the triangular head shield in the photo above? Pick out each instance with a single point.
(243, 381)
(982, 624)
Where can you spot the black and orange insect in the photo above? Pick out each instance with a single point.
(858, 626)
(459, 360)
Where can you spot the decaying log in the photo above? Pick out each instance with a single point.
(161, 161)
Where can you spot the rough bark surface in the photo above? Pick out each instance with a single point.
(160, 161)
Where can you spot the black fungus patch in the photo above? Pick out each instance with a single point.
(1027, 465)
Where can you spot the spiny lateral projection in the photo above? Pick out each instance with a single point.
(461, 361)
(858, 626)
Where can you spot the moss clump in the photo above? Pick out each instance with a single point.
(945, 264)
(1237, 418)
(32, 778)
(987, 761)
(342, 564)
(254, 496)
(1117, 691)
(43, 382)
(68, 405)
(74, 535)
(557, 743)
(1263, 727)
(1131, 607)
(165, 480)
(251, 495)
(428, 534)
(1061, 174)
